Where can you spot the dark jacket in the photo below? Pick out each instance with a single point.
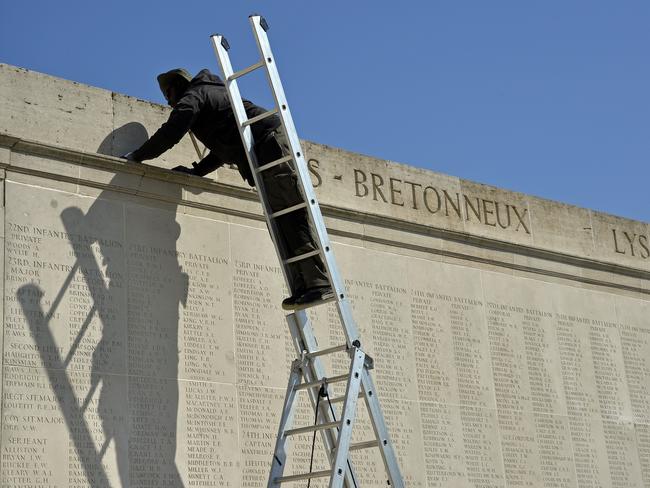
(205, 110)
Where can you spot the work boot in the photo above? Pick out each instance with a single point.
(313, 296)
(290, 303)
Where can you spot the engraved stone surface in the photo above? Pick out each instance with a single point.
(53, 110)
(143, 344)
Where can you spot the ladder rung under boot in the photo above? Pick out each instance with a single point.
(287, 210)
(329, 350)
(302, 257)
(259, 117)
(306, 476)
(318, 383)
(364, 445)
(312, 428)
(245, 71)
(270, 165)
(328, 299)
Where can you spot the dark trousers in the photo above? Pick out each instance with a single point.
(296, 235)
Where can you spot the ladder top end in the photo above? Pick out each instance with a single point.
(263, 23)
(222, 40)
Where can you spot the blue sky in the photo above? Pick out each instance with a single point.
(547, 98)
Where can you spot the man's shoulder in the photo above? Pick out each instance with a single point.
(205, 77)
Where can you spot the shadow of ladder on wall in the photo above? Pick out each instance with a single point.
(56, 367)
(307, 371)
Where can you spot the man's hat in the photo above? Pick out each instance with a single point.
(165, 79)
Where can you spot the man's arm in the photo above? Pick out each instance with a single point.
(208, 164)
(180, 121)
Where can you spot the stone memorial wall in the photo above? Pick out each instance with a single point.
(143, 344)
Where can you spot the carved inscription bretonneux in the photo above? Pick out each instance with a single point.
(440, 201)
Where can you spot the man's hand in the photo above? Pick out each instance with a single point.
(129, 157)
(184, 169)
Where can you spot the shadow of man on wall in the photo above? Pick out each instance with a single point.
(126, 262)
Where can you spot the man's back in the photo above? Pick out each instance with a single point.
(215, 124)
(204, 108)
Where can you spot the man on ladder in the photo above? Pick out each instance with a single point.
(278, 168)
(201, 105)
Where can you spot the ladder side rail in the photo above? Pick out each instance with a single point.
(246, 135)
(304, 340)
(288, 410)
(348, 414)
(381, 431)
(304, 179)
(284, 113)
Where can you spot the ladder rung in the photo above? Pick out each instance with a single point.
(314, 384)
(329, 350)
(363, 445)
(342, 399)
(312, 428)
(245, 71)
(306, 476)
(284, 159)
(302, 256)
(259, 117)
(287, 210)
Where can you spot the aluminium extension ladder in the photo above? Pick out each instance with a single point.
(307, 372)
